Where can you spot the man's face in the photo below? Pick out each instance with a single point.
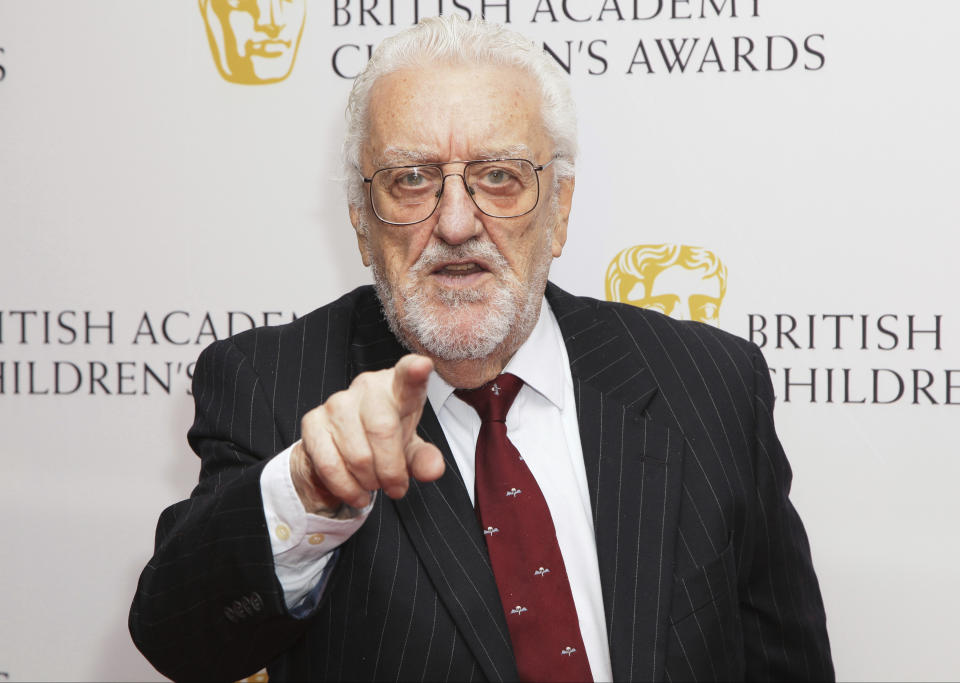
(256, 40)
(460, 284)
(681, 293)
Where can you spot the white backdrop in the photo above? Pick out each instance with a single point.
(138, 185)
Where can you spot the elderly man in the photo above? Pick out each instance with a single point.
(546, 488)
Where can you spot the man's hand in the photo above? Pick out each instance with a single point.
(365, 438)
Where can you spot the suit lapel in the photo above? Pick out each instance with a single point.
(634, 468)
(440, 522)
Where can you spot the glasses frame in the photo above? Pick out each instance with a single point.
(443, 183)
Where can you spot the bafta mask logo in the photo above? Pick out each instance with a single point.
(254, 41)
(684, 282)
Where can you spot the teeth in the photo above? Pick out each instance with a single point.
(460, 266)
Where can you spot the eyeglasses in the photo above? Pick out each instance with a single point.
(500, 188)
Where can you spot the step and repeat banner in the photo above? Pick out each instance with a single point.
(784, 169)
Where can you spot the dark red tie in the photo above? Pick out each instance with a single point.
(522, 543)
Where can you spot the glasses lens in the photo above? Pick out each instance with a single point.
(502, 188)
(405, 195)
(505, 188)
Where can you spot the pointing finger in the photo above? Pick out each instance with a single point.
(410, 383)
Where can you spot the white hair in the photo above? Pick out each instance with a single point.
(451, 39)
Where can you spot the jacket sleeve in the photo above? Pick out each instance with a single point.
(208, 604)
(784, 625)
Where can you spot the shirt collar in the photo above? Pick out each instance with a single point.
(538, 362)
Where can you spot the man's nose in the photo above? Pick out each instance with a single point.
(269, 18)
(458, 218)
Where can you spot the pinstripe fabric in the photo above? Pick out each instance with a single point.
(710, 576)
(705, 568)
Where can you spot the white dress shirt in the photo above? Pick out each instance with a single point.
(542, 424)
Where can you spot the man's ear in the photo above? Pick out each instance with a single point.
(564, 202)
(358, 227)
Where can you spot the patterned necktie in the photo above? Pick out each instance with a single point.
(523, 548)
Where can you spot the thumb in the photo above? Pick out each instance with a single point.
(424, 460)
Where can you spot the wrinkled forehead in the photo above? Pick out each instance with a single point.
(439, 112)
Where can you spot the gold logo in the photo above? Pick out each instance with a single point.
(684, 282)
(254, 41)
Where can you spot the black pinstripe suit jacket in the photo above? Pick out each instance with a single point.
(704, 564)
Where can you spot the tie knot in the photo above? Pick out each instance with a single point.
(492, 400)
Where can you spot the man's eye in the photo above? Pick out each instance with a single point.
(411, 179)
(497, 176)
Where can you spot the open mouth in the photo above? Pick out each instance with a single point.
(460, 269)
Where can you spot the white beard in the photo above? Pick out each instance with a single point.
(463, 324)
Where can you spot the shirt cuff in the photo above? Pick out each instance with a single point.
(302, 542)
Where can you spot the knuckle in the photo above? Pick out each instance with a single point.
(362, 461)
(392, 472)
(382, 425)
(314, 436)
(327, 468)
(366, 379)
(311, 420)
(312, 446)
(336, 403)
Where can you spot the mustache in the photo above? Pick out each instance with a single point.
(440, 253)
